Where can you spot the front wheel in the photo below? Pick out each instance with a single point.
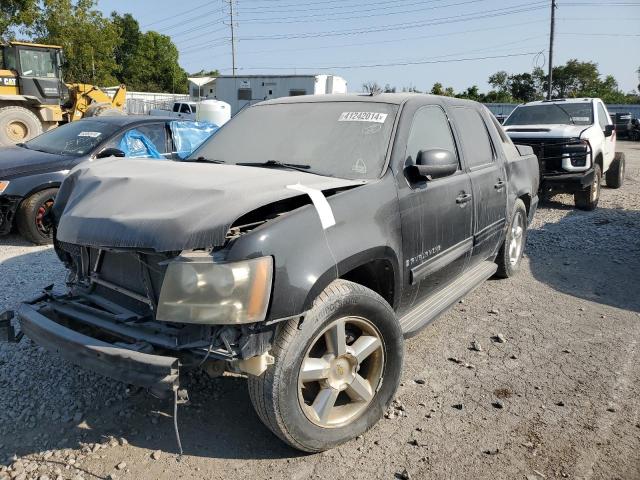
(33, 217)
(510, 254)
(335, 374)
(588, 199)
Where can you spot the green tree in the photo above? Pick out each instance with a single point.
(205, 73)
(522, 87)
(16, 14)
(125, 52)
(88, 38)
(155, 66)
(472, 93)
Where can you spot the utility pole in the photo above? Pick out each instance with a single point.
(551, 35)
(233, 39)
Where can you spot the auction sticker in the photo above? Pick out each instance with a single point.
(362, 117)
(90, 134)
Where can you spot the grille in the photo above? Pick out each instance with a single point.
(126, 270)
(550, 152)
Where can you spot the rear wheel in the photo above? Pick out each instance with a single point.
(33, 220)
(588, 199)
(18, 124)
(334, 374)
(615, 174)
(510, 254)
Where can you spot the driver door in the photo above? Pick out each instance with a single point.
(436, 215)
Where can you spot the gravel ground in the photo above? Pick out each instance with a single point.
(554, 391)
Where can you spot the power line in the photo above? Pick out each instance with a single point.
(394, 64)
(394, 40)
(521, 8)
(172, 17)
(316, 18)
(343, 8)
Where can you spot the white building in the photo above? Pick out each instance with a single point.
(240, 91)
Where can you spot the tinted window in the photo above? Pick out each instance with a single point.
(184, 108)
(340, 139)
(430, 130)
(475, 138)
(575, 113)
(603, 118)
(73, 139)
(176, 107)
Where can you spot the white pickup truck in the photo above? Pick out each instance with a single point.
(575, 141)
(185, 110)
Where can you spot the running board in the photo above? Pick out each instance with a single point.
(426, 312)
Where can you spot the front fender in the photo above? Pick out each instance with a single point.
(307, 257)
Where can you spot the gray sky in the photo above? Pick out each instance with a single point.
(359, 40)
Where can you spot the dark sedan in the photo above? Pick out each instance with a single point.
(30, 173)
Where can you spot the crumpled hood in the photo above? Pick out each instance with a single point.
(16, 161)
(540, 131)
(168, 206)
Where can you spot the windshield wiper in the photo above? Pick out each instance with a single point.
(276, 164)
(565, 112)
(203, 159)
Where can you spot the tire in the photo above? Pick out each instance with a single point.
(18, 124)
(615, 174)
(29, 218)
(102, 110)
(278, 394)
(588, 199)
(510, 255)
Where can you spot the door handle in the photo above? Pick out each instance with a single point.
(500, 185)
(463, 198)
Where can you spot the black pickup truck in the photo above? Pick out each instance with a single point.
(300, 245)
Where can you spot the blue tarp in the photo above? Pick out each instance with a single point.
(187, 136)
(135, 144)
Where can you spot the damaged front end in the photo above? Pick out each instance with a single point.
(115, 317)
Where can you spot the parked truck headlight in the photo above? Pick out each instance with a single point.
(198, 290)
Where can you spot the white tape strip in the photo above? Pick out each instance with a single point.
(320, 202)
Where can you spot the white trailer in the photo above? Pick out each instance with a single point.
(241, 91)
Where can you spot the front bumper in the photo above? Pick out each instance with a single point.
(8, 207)
(568, 182)
(156, 372)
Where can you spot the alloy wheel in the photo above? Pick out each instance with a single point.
(341, 372)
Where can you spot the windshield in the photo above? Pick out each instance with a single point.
(552, 113)
(73, 139)
(338, 139)
(38, 63)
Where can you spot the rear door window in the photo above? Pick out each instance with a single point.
(476, 144)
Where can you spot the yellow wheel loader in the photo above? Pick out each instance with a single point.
(34, 98)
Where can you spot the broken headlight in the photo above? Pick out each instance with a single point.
(198, 290)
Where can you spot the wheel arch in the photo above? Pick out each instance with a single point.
(376, 268)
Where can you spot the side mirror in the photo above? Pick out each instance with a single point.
(110, 152)
(432, 164)
(608, 130)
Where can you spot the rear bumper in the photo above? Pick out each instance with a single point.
(158, 373)
(568, 182)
